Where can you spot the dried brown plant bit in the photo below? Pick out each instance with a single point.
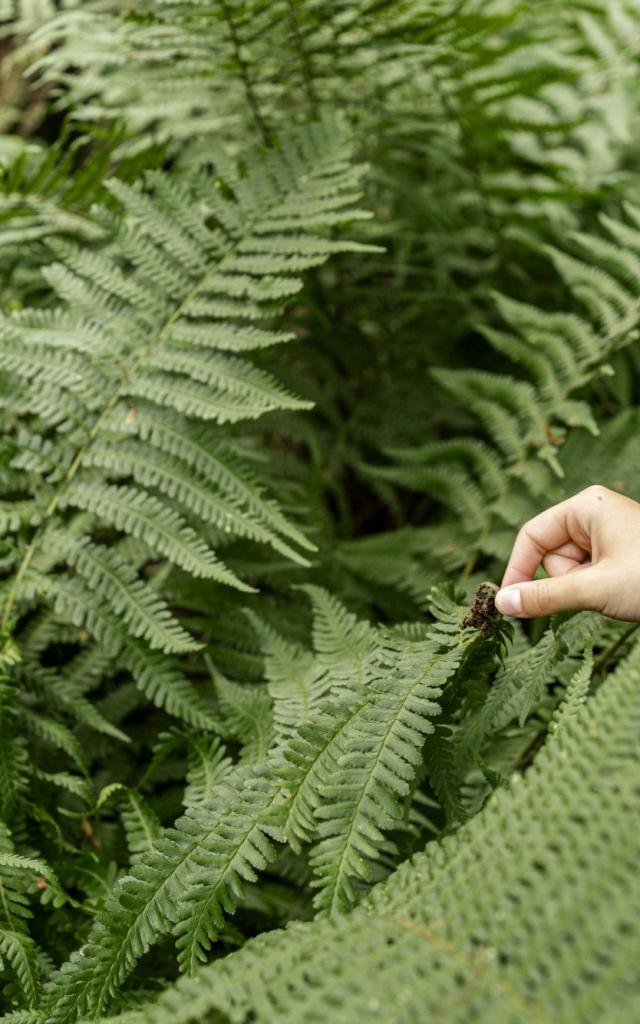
(483, 614)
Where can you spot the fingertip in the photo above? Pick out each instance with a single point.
(509, 600)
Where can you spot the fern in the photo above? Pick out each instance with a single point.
(220, 845)
(18, 951)
(488, 488)
(140, 823)
(296, 684)
(171, 361)
(247, 718)
(575, 695)
(207, 767)
(256, 477)
(377, 753)
(474, 957)
(223, 842)
(298, 681)
(14, 763)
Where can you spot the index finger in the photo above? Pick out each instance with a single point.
(542, 534)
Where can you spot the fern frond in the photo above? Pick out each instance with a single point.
(299, 681)
(142, 516)
(144, 612)
(159, 678)
(222, 866)
(206, 858)
(140, 823)
(216, 462)
(302, 772)
(66, 694)
(14, 883)
(136, 354)
(575, 694)
(194, 494)
(295, 683)
(376, 755)
(475, 958)
(19, 951)
(247, 717)
(342, 643)
(17, 862)
(14, 760)
(54, 734)
(208, 766)
(444, 771)
(519, 686)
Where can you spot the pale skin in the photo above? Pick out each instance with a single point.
(589, 546)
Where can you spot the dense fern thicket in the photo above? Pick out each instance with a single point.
(305, 307)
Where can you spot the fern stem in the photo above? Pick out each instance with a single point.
(470, 564)
(243, 69)
(305, 58)
(606, 656)
(468, 151)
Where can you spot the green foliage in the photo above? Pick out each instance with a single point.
(262, 437)
(527, 946)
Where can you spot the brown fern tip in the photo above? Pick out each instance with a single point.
(483, 614)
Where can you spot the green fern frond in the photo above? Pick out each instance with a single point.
(575, 695)
(223, 865)
(155, 674)
(54, 734)
(14, 883)
(19, 951)
(246, 714)
(295, 682)
(377, 753)
(66, 694)
(208, 766)
(17, 862)
(140, 823)
(475, 958)
(144, 612)
(194, 494)
(508, 409)
(518, 687)
(236, 485)
(445, 774)
(150, 341)
(206, 858)
(143, 516)
(342, 643)
(14, 759)
(299, 681)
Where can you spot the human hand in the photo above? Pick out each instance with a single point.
(589, 545)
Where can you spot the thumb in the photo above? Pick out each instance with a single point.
(576, 591)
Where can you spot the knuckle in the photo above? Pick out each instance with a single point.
(529, 534)
(596, 492)
(523, 532)
(541, 597)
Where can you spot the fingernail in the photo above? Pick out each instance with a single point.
(509, 601)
